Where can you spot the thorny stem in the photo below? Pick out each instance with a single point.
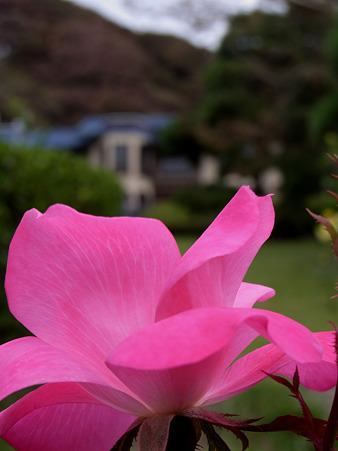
(332, 423)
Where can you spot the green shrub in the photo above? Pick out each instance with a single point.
(175, 216)
(33, 178)
(178, 218)
(191, 209)
(204, 199)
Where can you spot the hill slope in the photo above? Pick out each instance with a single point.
(59, 62)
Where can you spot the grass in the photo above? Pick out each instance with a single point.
(304, 274)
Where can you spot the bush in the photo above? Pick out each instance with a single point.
(204, 199)
(192, 209)
(33, 178)
(175, 216)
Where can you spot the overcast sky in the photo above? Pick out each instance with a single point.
(163, 16)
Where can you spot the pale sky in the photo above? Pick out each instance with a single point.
(148, 17)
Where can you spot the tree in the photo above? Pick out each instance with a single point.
(268, 73)
(324, 115)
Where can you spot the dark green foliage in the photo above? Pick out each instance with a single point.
(332, 45)
(324, 114)
(179, 139)
(323, 117)
(257, 111)
(37, 179)
(267, 73)
(222, 72)
(228, 103)
(267, 36)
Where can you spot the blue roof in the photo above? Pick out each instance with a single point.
(55, 138)
(92, 126)
(63, 138)
(88, 129)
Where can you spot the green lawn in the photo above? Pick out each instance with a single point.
(304, 274)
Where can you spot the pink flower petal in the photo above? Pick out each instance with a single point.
(249, 293)
(172, 364)
(245, 373)
(29, 361)
(212, 270)
(84, 283)
(319, 376)
(250, 369)
(62, 417)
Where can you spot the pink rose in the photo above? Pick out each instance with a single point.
(125, 327)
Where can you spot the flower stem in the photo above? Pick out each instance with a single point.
(332, 425)
(332, 422)
(183, 434)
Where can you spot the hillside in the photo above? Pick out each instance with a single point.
(59, 62)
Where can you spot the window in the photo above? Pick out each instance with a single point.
(148, 160)
(121, 157)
